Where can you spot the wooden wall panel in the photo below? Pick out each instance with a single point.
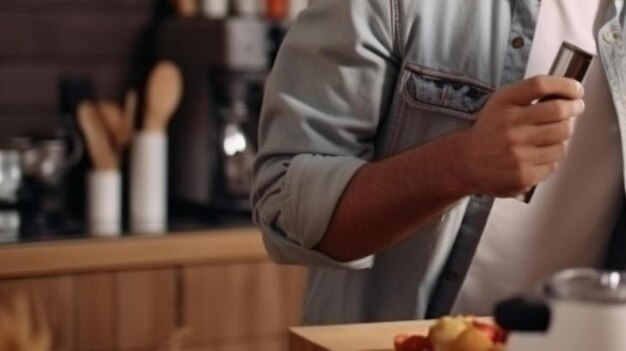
(60, 6)
(294, 283)
(246, 301)
(43, 40)
(36, 86)
(270, 344)
(95, 312)
(147, 302)
(72, 37)
(56, 296)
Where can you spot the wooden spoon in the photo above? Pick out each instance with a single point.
(130, 111)
(163, 94)
(101, 151)
(111, 115)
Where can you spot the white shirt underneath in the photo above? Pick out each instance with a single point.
(572, 214)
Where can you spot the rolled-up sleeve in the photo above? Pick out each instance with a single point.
(329, 89)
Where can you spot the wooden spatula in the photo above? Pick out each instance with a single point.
(101, 151)
(118, 124)
(163, 94)
(130, 111)
(111, 115)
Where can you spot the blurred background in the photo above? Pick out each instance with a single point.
(127, 134)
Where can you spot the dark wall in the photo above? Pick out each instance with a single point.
(43, 40)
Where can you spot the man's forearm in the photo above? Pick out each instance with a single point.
(514, 144)
(388, 200)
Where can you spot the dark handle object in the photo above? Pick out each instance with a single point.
(571, 62)
(523, 314)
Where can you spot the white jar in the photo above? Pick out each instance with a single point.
(104, 202)
(148, 183)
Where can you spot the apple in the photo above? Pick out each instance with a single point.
(493, 332)
(404, 342)
(446, 330)
(472, 339)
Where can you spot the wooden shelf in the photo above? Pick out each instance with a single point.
(136, 252)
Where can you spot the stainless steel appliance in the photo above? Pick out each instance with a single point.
(576, 310)
(213, 137)
(10, 182)
(32, 197)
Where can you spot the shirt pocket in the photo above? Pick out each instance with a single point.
(432, 104)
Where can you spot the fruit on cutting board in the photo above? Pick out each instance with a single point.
(446, 330)
(495, 333)
(472, 339)
(455, 334)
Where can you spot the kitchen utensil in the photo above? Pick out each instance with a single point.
(118, 125)
(576, 310)
(101, 151)
(104, 202)
(148, 179)
(164, 92)
(111, 115)
(571, 62)
(130, 111)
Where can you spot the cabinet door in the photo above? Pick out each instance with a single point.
(95, 312)
(146, 308)
(55, 295)
(274, 344)
(240, 304)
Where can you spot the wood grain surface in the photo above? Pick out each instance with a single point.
(132, 252)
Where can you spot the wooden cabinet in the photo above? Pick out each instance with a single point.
(135, 297)
(147, 307)
(56, 295)
(224, 305)
(95, 312)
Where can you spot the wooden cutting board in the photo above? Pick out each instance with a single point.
(353, 337)
(356, 337)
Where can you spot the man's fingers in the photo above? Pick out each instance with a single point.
(553, 111)
(548, 134)
(548, 155)
(539, 87)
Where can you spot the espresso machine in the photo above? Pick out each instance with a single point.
(213, 137)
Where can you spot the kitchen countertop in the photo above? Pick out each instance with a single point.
(136, 251)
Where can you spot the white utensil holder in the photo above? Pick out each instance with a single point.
(148, 183)
(104, 203)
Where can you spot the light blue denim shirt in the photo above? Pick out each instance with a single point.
(360, 80)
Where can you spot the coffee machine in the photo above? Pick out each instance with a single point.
(213, 137)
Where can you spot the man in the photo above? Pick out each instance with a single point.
(388, 128)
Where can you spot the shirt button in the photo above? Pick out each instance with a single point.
(612, 36)
(518, 42)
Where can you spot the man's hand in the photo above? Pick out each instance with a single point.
(516, 144)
